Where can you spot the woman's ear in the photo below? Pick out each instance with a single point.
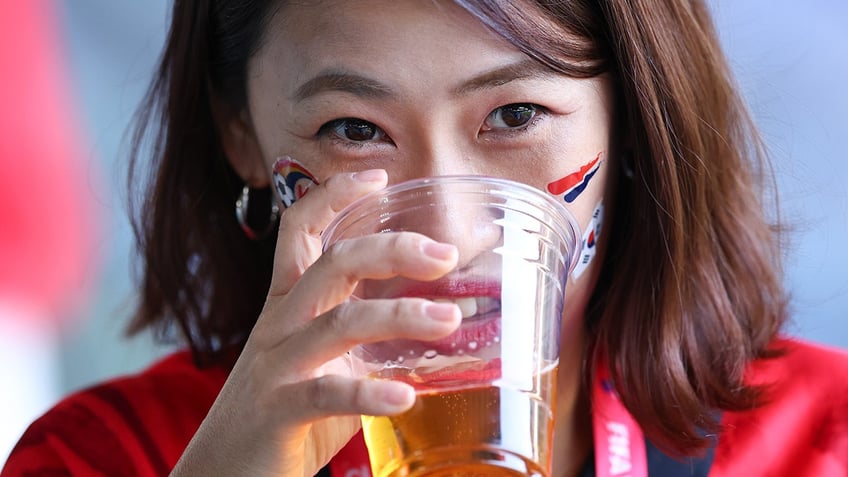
(238, 139)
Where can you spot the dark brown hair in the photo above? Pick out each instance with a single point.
(690, 290)
(200, 271)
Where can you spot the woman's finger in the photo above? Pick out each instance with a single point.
(334, 276)
(349, 324)
(333, 395)
(299, 236)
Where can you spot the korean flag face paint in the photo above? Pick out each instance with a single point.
(571, 186)
(590, 241)
(292, 180)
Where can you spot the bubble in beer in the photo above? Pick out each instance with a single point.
(430, 354)
(472, 345)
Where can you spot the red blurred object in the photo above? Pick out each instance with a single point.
(46, 190)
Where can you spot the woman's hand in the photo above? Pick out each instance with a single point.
(291, 401)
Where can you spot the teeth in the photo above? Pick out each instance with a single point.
(471, 306)
(486, 304)
(468, 306)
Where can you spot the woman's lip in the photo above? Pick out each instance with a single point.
(482, 334)
(475, 333)
(445, 288)
(472, 335)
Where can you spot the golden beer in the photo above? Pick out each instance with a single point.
(482, 430)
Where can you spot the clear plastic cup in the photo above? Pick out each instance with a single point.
(486, 393)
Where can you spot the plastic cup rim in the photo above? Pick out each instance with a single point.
(568, 229)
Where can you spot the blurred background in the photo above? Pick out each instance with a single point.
(73, 73)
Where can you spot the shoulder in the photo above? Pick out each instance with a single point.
(802, 427)
(133, 425)
(818, 361)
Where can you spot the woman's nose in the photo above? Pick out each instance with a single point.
(438, 155)
(461, 218)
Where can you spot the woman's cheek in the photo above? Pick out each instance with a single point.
(581, 189)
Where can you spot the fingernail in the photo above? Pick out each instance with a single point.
(398, 394)
(371, 175)
(442, 312)
(439, 251)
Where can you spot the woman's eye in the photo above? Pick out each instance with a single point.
(352, 129)
(511, 116)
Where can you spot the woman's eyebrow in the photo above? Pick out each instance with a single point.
(334, 80)
(524, 69)
(358, 85)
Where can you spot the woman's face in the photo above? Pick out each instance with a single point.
(422, 88)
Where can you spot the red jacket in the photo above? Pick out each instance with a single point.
(139, 425)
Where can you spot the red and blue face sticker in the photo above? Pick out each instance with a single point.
(590, 241)
(292, 180)
(571, 186)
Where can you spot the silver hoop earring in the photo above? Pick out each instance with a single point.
(241, 216)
